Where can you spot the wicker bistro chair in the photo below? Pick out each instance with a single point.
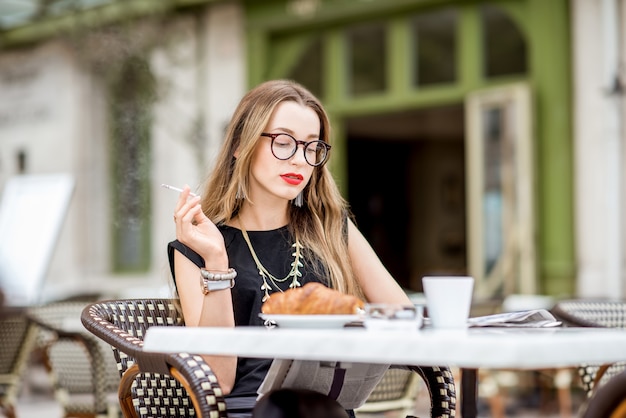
(18, 336)
(593, 313)
(152, 384)
(80, 365)
(182, 384)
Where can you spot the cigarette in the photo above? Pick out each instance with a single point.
(177, 189)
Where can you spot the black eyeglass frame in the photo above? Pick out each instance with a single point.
(304, 143)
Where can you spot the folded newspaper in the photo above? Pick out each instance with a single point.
(536, 318)
(348, 383)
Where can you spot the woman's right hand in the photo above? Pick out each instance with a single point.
(196, 231)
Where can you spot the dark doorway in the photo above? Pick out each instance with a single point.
(406, 174)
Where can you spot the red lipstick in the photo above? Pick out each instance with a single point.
(292, 178)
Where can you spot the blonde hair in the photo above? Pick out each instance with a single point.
(319, 224)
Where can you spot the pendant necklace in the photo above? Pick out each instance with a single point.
(294, 273)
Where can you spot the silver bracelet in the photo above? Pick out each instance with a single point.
(215, 276)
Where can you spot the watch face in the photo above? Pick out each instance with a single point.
(208, 286)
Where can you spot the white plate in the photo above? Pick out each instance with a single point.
(310, 321)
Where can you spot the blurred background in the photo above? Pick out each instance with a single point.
(470, 137)
(478, 138)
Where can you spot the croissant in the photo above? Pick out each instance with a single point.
(312, 299)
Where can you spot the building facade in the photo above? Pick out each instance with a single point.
(122, 107)
(466, 133)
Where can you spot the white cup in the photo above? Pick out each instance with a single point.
(448, 299)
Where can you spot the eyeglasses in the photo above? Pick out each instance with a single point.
(284, 146)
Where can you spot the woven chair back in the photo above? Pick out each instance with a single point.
(83, 371)
(392, 386)
(153, 394)
(18, 336)
(397, 391)
(593, 313)
(13, 331)
(135, 316)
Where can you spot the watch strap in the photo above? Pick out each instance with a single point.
(209, 286)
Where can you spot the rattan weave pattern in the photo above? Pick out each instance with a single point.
(440, 384)
(12, 334)
(78, 362)
(158, 395)
(593, 313)
(18, 337)
(394, 381)
(154, 391)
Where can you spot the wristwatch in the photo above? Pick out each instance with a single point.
(211, 281)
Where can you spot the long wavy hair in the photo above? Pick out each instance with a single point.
(319, 224)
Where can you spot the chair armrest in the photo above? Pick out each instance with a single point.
(99, 322)
(191, 371)
(440, 384)
(198, 379)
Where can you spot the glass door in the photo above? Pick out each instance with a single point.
(500, 191)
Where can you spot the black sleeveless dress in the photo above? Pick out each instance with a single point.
(274, 250)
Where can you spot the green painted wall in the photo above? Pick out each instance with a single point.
(551, 77)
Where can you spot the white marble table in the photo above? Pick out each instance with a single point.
(472, 349)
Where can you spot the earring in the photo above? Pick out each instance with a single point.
(298, 200)
(240, 193)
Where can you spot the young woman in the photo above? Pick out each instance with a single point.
(270, 218)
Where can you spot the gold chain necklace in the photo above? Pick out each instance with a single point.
(294, 273)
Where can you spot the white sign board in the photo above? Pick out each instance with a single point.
(32, 211)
